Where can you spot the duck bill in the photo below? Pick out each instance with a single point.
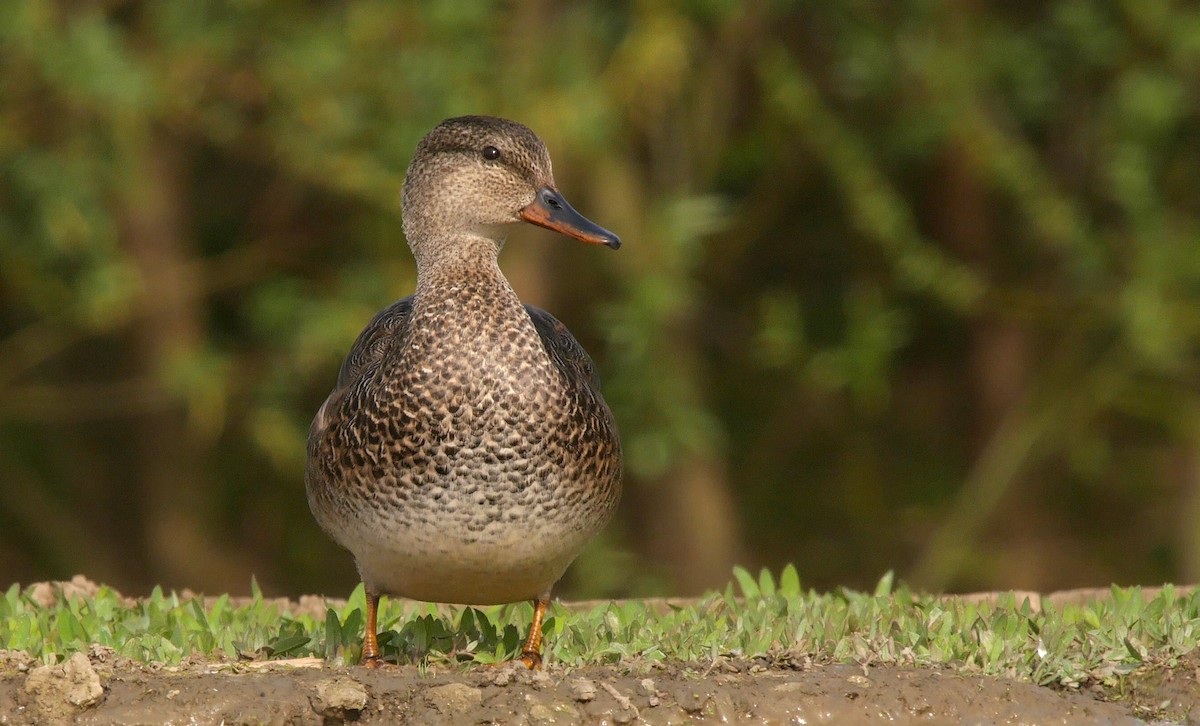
(551, 211)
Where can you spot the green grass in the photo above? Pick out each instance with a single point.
(764, 616)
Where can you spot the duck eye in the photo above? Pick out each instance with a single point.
(491, 153)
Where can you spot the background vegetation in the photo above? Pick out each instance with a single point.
(906, 284)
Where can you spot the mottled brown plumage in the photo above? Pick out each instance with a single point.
(466, 455)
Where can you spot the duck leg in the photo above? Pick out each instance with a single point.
(370, 650)
(531, 653)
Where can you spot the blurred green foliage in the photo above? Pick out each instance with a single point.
(906, 284)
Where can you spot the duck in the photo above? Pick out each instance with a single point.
(466, 454)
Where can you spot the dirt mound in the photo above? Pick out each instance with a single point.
(307, 691)
(98, 687)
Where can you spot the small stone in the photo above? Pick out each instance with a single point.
(499, 676)
(539, 679)
(583, 690)
(43, 593)
(17, 660)
(647, 688)
(101, 653)
(454, 697)
(63, 690)
(339, 697)
(691, 700)
(47, 594)
(522, 675)
(543, 714)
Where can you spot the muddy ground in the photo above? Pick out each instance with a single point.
(99, 688)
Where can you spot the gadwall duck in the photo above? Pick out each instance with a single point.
(466, 454)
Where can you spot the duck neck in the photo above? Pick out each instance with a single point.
(461, 267)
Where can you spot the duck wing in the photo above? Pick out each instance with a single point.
(385, 331)
(380, 336)
(566, 352)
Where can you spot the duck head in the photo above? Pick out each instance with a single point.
(472, 177)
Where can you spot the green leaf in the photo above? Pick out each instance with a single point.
(766, 584)
(333, 634)
(352, 627)
(198, 613)
(789, 582)
(1133, 650)
(884, 587)
(287, 644)
(746, 582)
